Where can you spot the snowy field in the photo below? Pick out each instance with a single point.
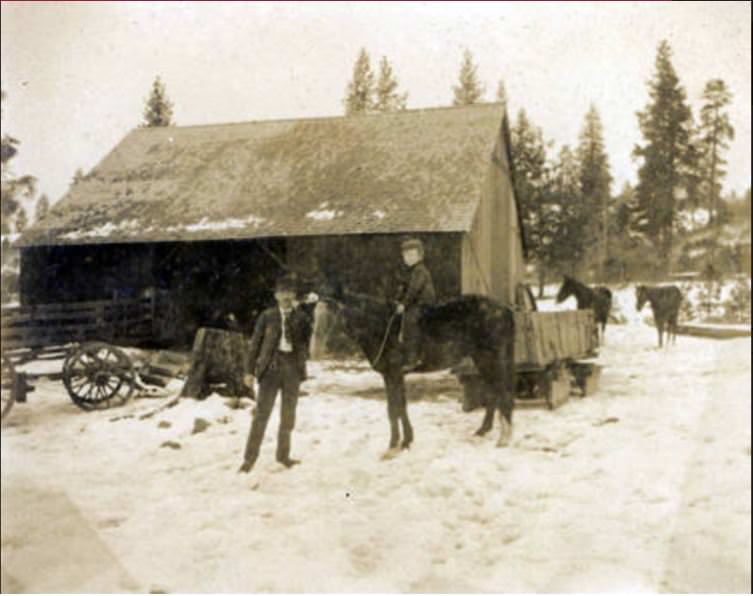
(643, 486)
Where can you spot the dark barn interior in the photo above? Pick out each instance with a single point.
(198, 283)
(195, 283)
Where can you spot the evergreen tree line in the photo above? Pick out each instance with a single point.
(573, 223)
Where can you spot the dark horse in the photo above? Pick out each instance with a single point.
(598, 299)
(665, 303)
(471, 325)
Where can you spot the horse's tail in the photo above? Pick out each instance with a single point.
(507, 353)
(509, 358)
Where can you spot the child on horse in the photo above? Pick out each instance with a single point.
(416, 293)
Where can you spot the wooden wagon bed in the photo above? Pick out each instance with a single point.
(551, 349)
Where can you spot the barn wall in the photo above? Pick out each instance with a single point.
(371, 263)
(509, 271)
(476, 278)
(492, 253)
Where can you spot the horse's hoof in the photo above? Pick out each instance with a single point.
(391, 453)
(481, 432)
(503, 442)
(505, 435)
(405, 446)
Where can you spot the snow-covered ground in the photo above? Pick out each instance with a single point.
(642, 486)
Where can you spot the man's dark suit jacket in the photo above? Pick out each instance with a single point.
(265, 340)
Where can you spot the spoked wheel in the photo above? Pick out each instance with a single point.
(98, 376)
(7, 392)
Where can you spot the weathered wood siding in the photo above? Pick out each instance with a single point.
(542, 338)
(492, 254)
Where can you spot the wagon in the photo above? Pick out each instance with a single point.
(96, 373)
(554, 353)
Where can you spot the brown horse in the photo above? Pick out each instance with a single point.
(473, 326)
(598, 299)
(665, 303)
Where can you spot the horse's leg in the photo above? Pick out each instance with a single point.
(660, 330)
(487, 368)
(490, 403)
(506, 398)
(673, 324)
(665, 331)
(393, 408)
(403, 405)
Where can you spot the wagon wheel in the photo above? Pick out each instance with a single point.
(7, 392)
(98, 375)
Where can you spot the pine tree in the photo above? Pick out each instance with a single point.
(529, 164)
(78, 176)
(502, 94)
(41, 209)
(667, 156)
(568, 244)
(22, 220)
(715, 132)
(12, 188)
(360, 94)
(158, 110)
(387, 97)
(469, 89)
(595, 181)
(621, 212)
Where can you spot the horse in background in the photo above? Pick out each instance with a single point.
(598, 299)
(468, 326)
(665, 303)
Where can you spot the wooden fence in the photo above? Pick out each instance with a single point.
(43, 325)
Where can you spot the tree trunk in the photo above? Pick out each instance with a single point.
(542, 280)
(218, 357)
(604, 240)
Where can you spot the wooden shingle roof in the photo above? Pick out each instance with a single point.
(410, 171)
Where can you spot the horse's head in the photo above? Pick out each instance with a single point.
(566, 289)
(641, 296)
(330, 290)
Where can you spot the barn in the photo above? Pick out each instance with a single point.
(205, 217)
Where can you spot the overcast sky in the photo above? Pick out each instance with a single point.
(77, 74)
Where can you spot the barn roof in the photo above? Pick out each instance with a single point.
(409, 171)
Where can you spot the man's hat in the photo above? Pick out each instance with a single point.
(412, 243)
(285, 284)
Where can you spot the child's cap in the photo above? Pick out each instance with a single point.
(412, 243)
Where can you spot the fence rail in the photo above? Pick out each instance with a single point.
(42, 325)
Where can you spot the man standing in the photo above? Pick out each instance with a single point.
(277, 358)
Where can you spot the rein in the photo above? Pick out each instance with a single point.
(384, 340)
(372, 299)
